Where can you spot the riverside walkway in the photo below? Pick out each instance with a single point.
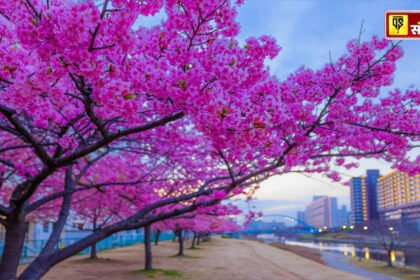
(222, 259)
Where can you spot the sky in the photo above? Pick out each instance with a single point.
(307, 31)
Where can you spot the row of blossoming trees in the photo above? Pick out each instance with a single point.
(156, 123)
(200, 225)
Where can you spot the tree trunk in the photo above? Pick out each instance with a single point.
(13, 246)
(147, 248)
(206, 237)
(193, 240)
(180, 243)
(93, 252)
(69, 185)
(198, 239)
(43, 264)
(157, 235)
(93, 249)
(40, 263)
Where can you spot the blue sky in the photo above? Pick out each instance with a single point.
(307, 31)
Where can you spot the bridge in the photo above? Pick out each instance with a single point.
(297, 221)
(299, 227)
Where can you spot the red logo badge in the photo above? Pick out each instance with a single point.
(400, 25)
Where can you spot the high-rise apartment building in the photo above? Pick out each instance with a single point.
(399, 196)
(371, 178)
(363, 196)
(358, 197)
(397, 188)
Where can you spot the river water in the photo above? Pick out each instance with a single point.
(347, 249)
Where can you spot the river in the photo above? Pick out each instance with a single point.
(346, 249)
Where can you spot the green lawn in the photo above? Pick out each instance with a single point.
(156, 272)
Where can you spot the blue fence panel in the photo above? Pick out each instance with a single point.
(32, 248)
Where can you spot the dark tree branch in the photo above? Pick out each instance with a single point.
(387, 130)
(103, 142)
(39, 150)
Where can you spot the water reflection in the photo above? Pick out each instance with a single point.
(347, 249)
(367, 255)
(393, 257)
(397, 257)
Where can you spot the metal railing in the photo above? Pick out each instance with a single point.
(32, 248)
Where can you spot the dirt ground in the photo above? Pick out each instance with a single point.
(312, 254)
(219, 259)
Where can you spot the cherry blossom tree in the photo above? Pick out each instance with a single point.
(80, 80)
(207, 225)
(98, 212)
(203, 221)
(75, 120)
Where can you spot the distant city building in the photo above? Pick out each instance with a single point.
(316, 197)
(363, 196)
(322, 212)
(301, 216)
(399, 197)
(343, 216)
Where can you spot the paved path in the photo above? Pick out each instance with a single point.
(339, 261)
(301, 268)
(220, 259)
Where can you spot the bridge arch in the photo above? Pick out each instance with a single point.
(299, 222)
